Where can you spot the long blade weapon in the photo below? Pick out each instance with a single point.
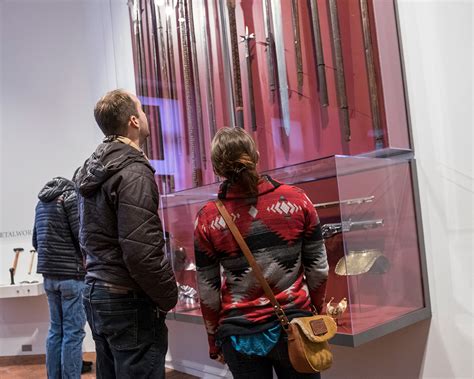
(356, 201)
(281, 65)
(340, 79)
(197, 87)
(224, 33)
(318, 47)
(270, 49)
(297, 41)
(135, 6)
(239, 107)
(160, 46)
(209, 73)
(172, 78)
(370, 64)
(189, 94)
(158, 84)
(246, 40)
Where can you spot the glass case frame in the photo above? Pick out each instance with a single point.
(368, 207)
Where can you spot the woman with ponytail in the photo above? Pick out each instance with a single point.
(282, 230)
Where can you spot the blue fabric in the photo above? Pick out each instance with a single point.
(66, 330)
(257, 344)
(245, 366)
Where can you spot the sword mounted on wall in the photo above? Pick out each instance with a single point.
(276, 17)
(245, 39)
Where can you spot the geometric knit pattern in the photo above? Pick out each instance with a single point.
(282, 230)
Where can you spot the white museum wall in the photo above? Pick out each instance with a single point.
(57, 59)
(69, 44)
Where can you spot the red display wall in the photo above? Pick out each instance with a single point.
(185, 73)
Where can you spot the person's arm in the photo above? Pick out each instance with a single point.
(70, 206)
(314, 256)
(209, 282)
(141, 238)
(35, 238)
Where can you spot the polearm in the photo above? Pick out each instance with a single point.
(160, 46)
(142, 64)
(370, 64)
(227, 71)
(170, 53)
(318, 47)
(209, 73)
(154, 48)
(197, 86)
(189, 94)
(297, 41)
(134, 7)
(340, 78)
(239, 106)
(270, 49)
(246, 40)
(172, 76)
(281, 65)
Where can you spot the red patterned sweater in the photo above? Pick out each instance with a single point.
(282, 230)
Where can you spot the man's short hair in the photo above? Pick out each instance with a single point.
(113, 111)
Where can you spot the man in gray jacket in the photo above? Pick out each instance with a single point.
(130, 284)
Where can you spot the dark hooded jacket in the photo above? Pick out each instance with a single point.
(55, 233)
(120, 231)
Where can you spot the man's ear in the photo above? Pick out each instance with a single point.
(134, 121)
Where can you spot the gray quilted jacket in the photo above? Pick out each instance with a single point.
(120, 232)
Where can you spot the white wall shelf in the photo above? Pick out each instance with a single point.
(21, 290)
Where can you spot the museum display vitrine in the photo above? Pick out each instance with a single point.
(368, 216)
(319, 86)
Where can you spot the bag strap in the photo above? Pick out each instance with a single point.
(253, 263)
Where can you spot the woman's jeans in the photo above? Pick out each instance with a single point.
(245, 366)
(131, 338)
(66, 330)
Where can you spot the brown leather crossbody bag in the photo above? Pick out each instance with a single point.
(308, 337)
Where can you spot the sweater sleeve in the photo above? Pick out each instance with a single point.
(314, 256)
(209, 281)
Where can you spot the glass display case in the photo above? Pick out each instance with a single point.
(367, 207)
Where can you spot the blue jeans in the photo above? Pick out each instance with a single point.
(245, 366)
(131, 338)
(66, 330)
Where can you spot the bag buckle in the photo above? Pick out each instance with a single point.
(282, 317)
